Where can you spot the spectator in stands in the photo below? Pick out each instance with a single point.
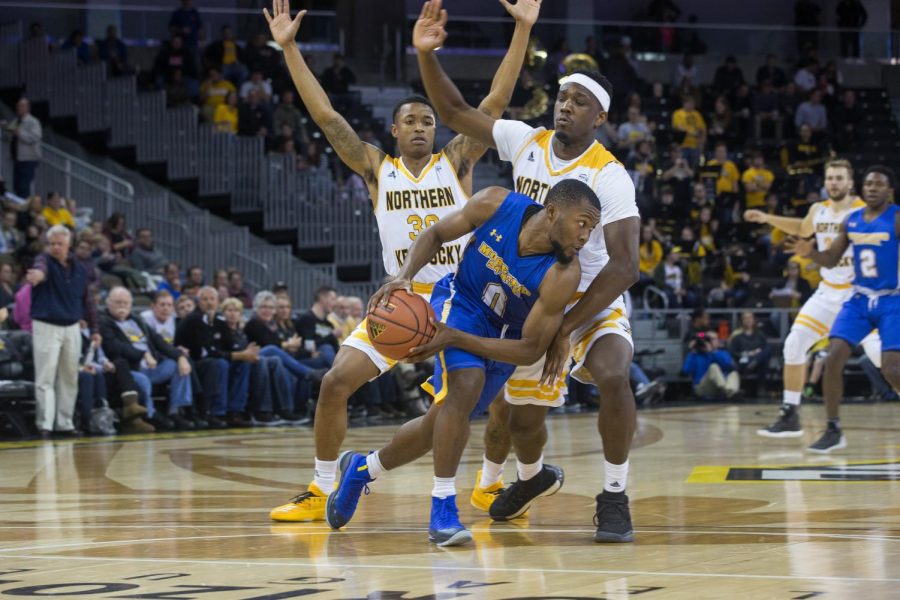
(224, 373)
(60, 299)
(213, 92)
(7, 285)
(806, 77)
(10, 237)
(669, 277)
(256, 82)
(650, 253)
(228, 55)
(711, 370)
(262, 57)
(635, 130)
(313, 324)
(22, 308)
(807, 14)
(29, 212)
(367, 135)
(25, 149)
(621, 73)
(84, 255)
(171, 280)
(689, 121)
(666, 216)
(847, 116)
(812, 113)
(685, 72)
(766, 105)
(151, 359)
(177, 91)
(227, 115)
(184, 306)
(750, 350)
(803, 160)
(793, 290)
(32, 247)
(57, 214)
(236, 287)
(83, 52)
(722, 125)
(287, 113)
(195, 276)
(219, 278)
(340, 319)
(679, 176)
(191, 290)
(337, 79)
(728, 76)
(114, 53)
(174, 56)
(160, 317)
(757, 182)
(145, 257)
(729, 178)
(771, 72)
(269, 380)
(641, 166)
(116, 232)
(186, 22)
(254, 116)
(313, 159)
(851, 16)
(700, 199)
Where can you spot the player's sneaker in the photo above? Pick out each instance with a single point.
(832, 439)
(483, 497)
(786, 426)
(308, 506)
(445, 528)
(352, 483)
(613, 519)
(515, 500)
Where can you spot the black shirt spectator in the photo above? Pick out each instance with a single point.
(204, 338)
(174, 56)
(728, 76)
(186, 21)
(113, 52)
(260, 56)
(772, 72)
(64, 296)
(311, 327)
(338, 78)
(261, 333)
(254, 117)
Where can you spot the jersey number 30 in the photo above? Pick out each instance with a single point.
(418, 224)
(495, 298)
(868, 264)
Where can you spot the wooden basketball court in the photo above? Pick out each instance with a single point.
(718, 511)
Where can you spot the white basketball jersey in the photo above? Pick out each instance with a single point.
(536, 170)
(407, 205)
(827, 224)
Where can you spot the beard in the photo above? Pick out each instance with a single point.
(562, 136)
(560, 254)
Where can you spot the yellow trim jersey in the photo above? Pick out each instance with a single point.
(536, 169)
(407, 205)
(827, 220)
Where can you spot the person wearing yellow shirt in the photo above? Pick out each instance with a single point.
(226, 116)
(213, 92)
(650, 252)
(809, 271)
(757, 182)
(57, 214)
(688, 120)
(729, 179)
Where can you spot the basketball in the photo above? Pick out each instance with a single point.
(404, 323)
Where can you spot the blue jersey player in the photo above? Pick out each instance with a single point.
(874, 232)
(501, 308)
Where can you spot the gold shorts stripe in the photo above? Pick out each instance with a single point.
(535, 395)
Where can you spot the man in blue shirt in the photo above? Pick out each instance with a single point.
(711, 369)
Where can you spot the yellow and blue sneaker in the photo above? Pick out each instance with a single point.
(354, 480)
(445, 528)
(483, 497)
(308, 506)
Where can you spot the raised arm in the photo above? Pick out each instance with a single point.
(542, 323)
(477, 210)
(363, 158)
(827, 258)
(463, 151)
(428, 35)
(790, 225)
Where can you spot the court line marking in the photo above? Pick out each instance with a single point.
(328, 565)
(92, 544)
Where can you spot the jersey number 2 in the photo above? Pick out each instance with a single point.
(495, 298)
(868, 264)
(417, 224)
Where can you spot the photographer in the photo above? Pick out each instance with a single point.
(711, 369)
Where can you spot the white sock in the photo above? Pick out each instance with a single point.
(526, 472)
(616, 476)
(326, 473)
(792, 398)
(491, 473)
(374, 464)
(444, 487)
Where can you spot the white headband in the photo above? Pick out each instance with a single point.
(590, 85)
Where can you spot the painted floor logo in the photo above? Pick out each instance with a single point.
(863, 471)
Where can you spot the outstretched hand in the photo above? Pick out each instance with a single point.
(284, 29)
(799, 246)
(523, 11)
(429, 33)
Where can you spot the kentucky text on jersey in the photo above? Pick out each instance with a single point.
(428, 198)
(832, 227)
(496, 264)
(534, 189)
(447, 255)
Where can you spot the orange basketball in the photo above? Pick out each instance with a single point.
(401, 325)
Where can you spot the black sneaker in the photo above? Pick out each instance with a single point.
(832, 439)
(515, 500)
(200, 422)
(217, 422)
(181, 423)
(613, 519)
(266, 419)
(786, 426)
(237, 419)
(161, 422)
(293, 418)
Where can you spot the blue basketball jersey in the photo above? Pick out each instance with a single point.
(493, 276)
(876, 260)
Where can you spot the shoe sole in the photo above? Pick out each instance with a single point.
(782, 434)
(457, 539)
(557, 485)
(304, 520)
(838, 446)
(605, 537)
(343, 463)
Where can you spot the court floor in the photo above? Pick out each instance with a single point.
(718, 511)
